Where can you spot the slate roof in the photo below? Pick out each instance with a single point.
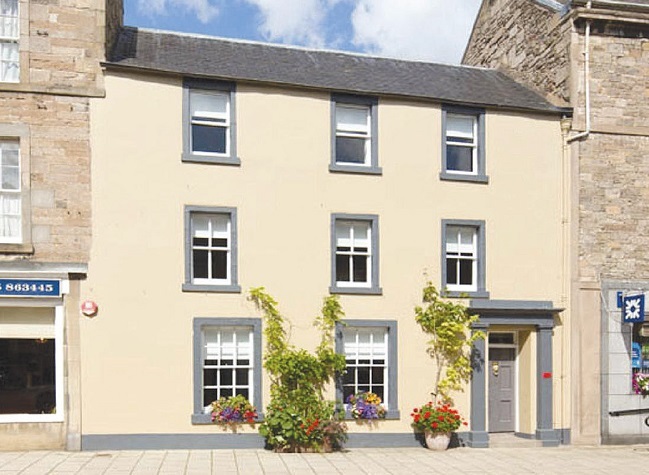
(201, 56)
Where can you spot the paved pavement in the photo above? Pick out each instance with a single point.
(560, 460)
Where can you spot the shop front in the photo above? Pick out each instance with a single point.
(38, 346)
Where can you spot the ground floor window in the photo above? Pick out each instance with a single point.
(28, 361)
(370, 349)
(227, 362)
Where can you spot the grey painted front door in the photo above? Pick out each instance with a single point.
(502, 394)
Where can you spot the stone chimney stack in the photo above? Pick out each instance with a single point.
(114, 22)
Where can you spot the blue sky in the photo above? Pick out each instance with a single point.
(431, 30)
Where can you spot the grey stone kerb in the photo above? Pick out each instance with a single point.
(537, 314)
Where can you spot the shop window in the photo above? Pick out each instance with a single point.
(29, 366)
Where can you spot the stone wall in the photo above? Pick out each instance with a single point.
(527, 41)
(61, 45)
(58, 167)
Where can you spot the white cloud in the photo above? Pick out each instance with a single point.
(293, 22)
(434, 30)
(205, 10)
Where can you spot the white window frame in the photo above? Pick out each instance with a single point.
(12, 192)
(250, 366)
(13, 40)
(451, 140)
(59, 354)
(471, 255)
(211, 119)
(356, 132)
(353, 253)
(210, 248)
(352, 351)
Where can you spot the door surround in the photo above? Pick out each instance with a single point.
(538, 316)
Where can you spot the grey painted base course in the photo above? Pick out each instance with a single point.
(239, 441)
(255, 441)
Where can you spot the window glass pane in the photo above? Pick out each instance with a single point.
(459, 126)
(10, 154)
(242, 377)
(226, 392)
(209, 395)
(377, 375)
(9, 71)
(501, 338)
(351, 150)
(27, 376)
(362, 235)
(352, 118)
(200, 242)
(466, 238)
(343, 233)
(219, 224)
(226, 377)
(360, 269)
(200, 266)
(219, 265)
(363, 375)
(466, 272)
(378, 390)
(342, 268)
(451, 271)
(244, 392)
(208, 104)
(201, 225)
(209, 139)
(209, 377)
(459, 158)
(220, 242)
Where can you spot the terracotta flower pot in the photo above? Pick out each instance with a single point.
(437, 440)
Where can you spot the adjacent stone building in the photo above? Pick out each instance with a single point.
(50, 55)
(594, 56)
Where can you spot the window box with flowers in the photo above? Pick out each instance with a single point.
(366, 406)
(232, 411)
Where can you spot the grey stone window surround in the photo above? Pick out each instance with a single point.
(393, 393)
(373, 219)
(480, 225)
(21, 133)
(373, 102)
(234, 286)
(481, 176)
(202, 84)
(199, 417)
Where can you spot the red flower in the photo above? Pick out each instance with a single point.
(434, 425)
(417, 418)
(415, 410)
(440, 418)
(465, 423)
(427, 415)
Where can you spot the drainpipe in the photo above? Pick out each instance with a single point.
(586, 53)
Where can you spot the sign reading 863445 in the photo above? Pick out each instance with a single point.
(30, 288)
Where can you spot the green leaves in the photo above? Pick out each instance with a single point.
(298, 417)
(449, 325)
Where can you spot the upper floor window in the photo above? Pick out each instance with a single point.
(354, 130)
(9, 36)
(10, 192)
(463, 265)
(211, 249)
(463, 155)
(355, 254)
(209, 122)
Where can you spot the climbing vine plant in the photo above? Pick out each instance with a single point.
(299, 417)
(451, 341)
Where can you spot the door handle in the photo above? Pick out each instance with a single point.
(495, 366)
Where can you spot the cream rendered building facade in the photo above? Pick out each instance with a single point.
(238, 151)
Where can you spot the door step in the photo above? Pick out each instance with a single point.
(508, 439)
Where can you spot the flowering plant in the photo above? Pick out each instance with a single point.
(233, 410)
(440, 418)
(366, 405)
(641, 383)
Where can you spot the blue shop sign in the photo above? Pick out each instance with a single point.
(633, 309)
(30, 288)
(635, 355)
